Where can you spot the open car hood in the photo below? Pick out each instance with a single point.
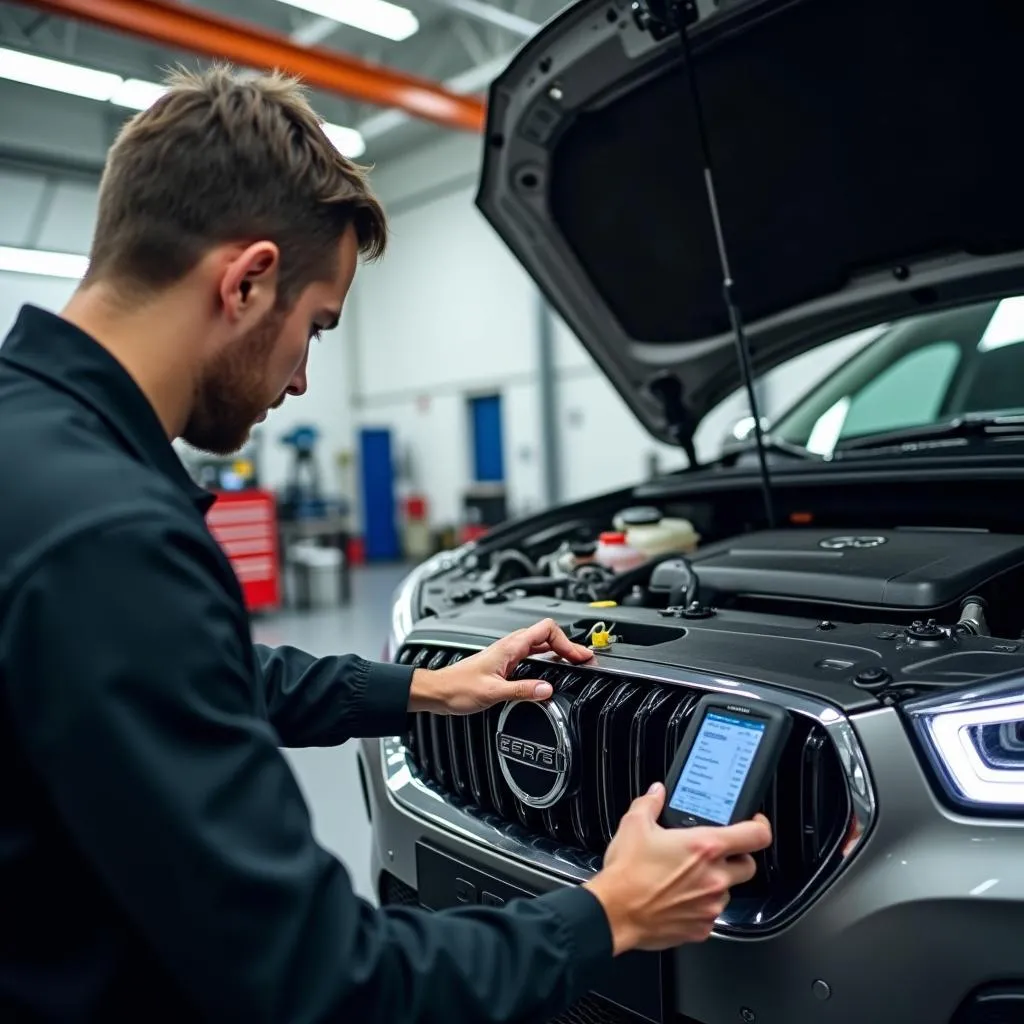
(864, 159)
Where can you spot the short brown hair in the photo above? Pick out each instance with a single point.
(224, 157)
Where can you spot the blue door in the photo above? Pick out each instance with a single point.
(488, 458)
(380, 532)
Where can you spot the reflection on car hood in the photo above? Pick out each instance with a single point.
(864, 163)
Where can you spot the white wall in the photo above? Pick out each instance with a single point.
(446, 314)
(449, 313)
(37, 212)
(43, 212)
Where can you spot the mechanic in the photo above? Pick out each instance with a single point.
(156, 856)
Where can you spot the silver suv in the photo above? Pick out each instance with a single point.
(868, 577)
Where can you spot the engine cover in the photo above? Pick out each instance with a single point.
(910, 569)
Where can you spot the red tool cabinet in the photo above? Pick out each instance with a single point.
(244, 523)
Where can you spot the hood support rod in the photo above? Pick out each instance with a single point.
(662, 17)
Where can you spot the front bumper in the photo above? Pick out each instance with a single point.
(930, 909)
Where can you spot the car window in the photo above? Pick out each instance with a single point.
(907, 393)
(922, 370)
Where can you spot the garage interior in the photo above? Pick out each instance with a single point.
(453, 402)
(450, 397)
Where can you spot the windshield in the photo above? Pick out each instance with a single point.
(920, 371)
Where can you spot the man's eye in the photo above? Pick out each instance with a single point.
(316, 333)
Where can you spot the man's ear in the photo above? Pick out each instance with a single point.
(248, 283)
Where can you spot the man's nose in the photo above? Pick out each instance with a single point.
(298, 384)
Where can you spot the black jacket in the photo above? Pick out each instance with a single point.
(156, 856)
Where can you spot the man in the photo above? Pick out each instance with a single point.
(156, 857)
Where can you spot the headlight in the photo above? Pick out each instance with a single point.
(976, 742)
(404, 607)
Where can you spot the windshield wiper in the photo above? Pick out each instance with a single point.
(732, 448)
(973, 425)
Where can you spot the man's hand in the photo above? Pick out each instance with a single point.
(481, 681)
(662, 887)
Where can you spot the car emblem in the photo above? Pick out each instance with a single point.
(534, 750)
(845, 543)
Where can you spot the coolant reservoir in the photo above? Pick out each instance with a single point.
(648, 531)
(613, 552)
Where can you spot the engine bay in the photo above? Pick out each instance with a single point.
(901, 610)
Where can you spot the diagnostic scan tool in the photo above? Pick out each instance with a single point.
(725, 762)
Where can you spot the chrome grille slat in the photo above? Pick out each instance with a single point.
(646, 738)
(442, 772)
(585, 807)
(421, 726)
(501, 796)
(820, 790)
(458, 751)
(475, 738)
(410, 738)
(558, 819)
(614, 724)
(809, 796)
(424, 744)
(529, 817)
(625, 734)
(677, 723)
(786, 821)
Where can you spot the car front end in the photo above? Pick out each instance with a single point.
(875, 594)
(891, 891)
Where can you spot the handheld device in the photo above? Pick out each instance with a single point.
(725, 762)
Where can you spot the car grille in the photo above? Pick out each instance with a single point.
(625, 734)
(594, 1010)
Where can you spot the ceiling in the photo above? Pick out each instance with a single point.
(461, 43)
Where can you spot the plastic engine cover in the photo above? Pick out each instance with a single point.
(915, 569)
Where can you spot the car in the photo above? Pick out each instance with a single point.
(701, 190)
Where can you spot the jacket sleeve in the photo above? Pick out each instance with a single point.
(131, 686)
(319, 702)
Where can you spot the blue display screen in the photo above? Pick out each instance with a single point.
(717, 766)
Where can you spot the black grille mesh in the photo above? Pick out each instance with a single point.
(394, 892)
(594, 1010)
(625, 734)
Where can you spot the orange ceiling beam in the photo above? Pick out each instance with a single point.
(187, 28)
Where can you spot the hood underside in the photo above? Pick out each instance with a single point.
(864, 162)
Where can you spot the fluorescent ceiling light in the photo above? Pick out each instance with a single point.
(136, 94)
(347, 141)
(376, 16)
(55, 74)
(43, 263)
(132, 93)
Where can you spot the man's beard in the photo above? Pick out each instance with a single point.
(231, 394)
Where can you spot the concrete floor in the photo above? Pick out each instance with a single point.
(328, 776)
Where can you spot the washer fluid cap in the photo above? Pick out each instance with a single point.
(640, 515)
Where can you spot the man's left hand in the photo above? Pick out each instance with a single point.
(481, 681)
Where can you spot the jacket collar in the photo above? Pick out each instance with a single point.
(52, 349)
